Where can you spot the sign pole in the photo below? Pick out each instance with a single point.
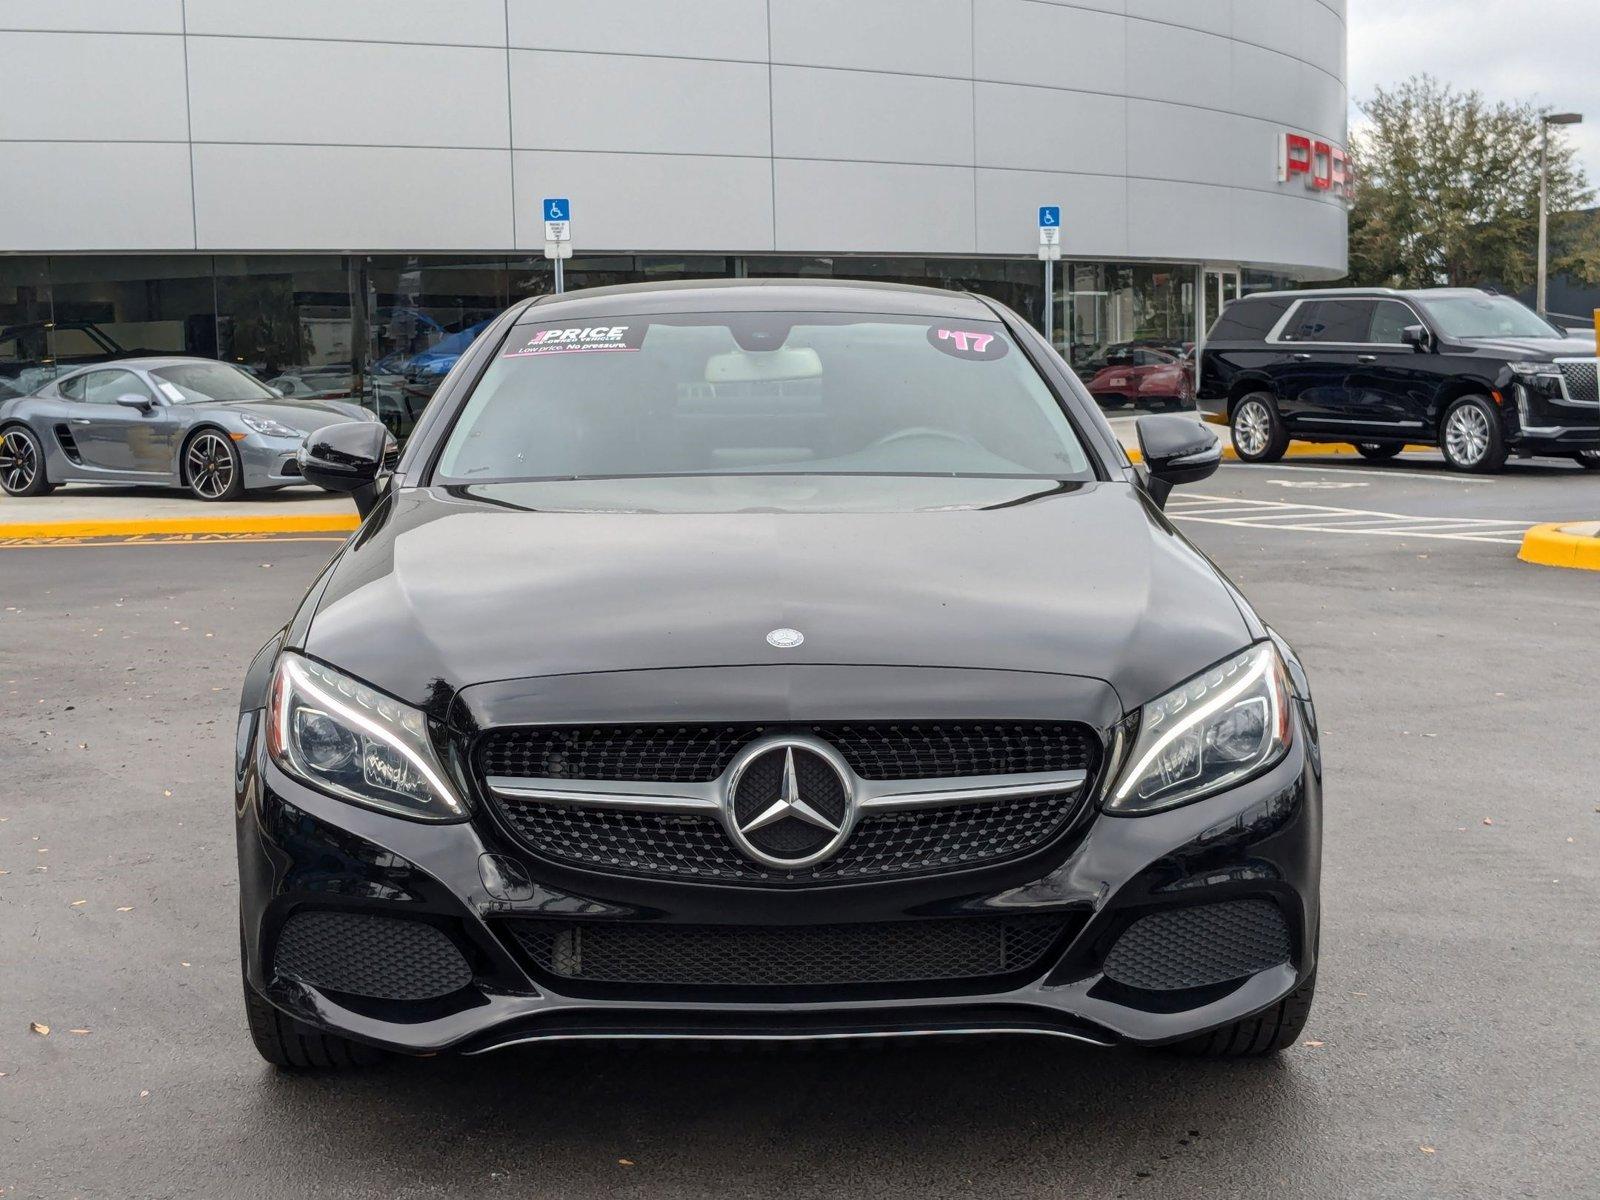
(1049, 252)
(1050, 301)
(557, 212)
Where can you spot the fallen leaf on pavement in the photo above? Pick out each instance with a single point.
(40, 1029)
(126, 908)
(1313, 1045)
(624, 1162)
(79, 1032)
(77, 904)
(1488, 820)
(1427, 1149)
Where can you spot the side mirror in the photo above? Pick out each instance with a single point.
(1176, 449)
(346, 458)
(1417, 337)
(129, 400)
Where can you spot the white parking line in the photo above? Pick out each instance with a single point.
(1358, 469)
(1246, 513)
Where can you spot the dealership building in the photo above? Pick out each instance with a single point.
(338, 194)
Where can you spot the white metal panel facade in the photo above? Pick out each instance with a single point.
(723, 126)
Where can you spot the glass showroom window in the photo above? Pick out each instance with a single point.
(109, 307)
(25, 360)
(417, 316)
(287, 320)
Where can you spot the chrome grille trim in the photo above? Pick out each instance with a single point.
(1580, 379)
(705, 798)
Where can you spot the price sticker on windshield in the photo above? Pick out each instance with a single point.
(578, 339)
(979, 344)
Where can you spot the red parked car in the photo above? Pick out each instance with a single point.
(1141, 375)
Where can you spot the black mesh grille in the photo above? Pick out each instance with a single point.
(691, 847)
(1199, 946)
(1582, 382)
(386, 958)
(699, 753)
(787, 956)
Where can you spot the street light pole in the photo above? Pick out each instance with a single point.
(1545, 122)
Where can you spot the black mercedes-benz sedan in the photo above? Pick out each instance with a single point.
(771, 660)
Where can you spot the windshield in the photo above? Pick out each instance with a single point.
(197, 383)
(1471, 317)
(762, 393)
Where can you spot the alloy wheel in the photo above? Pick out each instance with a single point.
(1252, 424)
(19, 462)
(209, 465)
(1466, 435)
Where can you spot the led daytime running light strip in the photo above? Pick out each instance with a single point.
(305, 683)
(1263, 664)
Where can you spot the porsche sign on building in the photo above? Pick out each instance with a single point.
(338, 195)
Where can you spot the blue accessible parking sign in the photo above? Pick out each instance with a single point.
(1049, 216)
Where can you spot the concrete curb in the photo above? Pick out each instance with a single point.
(127, 527)
(1573, 544)
(145, 526)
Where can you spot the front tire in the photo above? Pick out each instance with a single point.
(1471, 438)
(1257, 430)
(1378, 451)
(22, 463)
(284, 1042)
(1264, 1034)
(211, 467)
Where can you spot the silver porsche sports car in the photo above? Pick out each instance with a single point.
(185, 422)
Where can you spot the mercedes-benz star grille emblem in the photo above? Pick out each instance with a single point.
(789, 804)
(785, 639)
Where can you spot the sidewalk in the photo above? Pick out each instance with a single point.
(88, 511)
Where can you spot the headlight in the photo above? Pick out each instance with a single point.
(1543, 379)
(268, 426)
(356, 742)
(1224, 725)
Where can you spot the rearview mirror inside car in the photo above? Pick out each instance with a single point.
(348, 457)
(1176, 449)
(1416, 336)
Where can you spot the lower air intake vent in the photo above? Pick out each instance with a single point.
(385, 958)
(787, 955)
(1199, 946)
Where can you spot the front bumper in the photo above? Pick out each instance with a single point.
(269, 462)
(301, 851)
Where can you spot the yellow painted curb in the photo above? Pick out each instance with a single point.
(1563, 544)
(1295, 450)
(139, 527)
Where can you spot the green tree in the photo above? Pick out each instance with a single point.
(1447, 193)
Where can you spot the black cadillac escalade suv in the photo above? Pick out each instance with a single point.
(1479, 375)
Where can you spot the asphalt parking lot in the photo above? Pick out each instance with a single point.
(1451, 1051)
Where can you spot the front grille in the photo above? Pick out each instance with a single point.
(1583, 385)
(693, 847)
(386, 958)
(920, 951)
(700, 753)
(1199, 946)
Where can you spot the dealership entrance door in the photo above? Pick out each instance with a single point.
(1219, 287)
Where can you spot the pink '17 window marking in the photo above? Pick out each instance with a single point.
(966, 339)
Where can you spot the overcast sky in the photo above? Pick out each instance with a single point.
(1547, 51)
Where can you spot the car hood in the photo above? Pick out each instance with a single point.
(448, 587)
(1536, 349)
(304, 415)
